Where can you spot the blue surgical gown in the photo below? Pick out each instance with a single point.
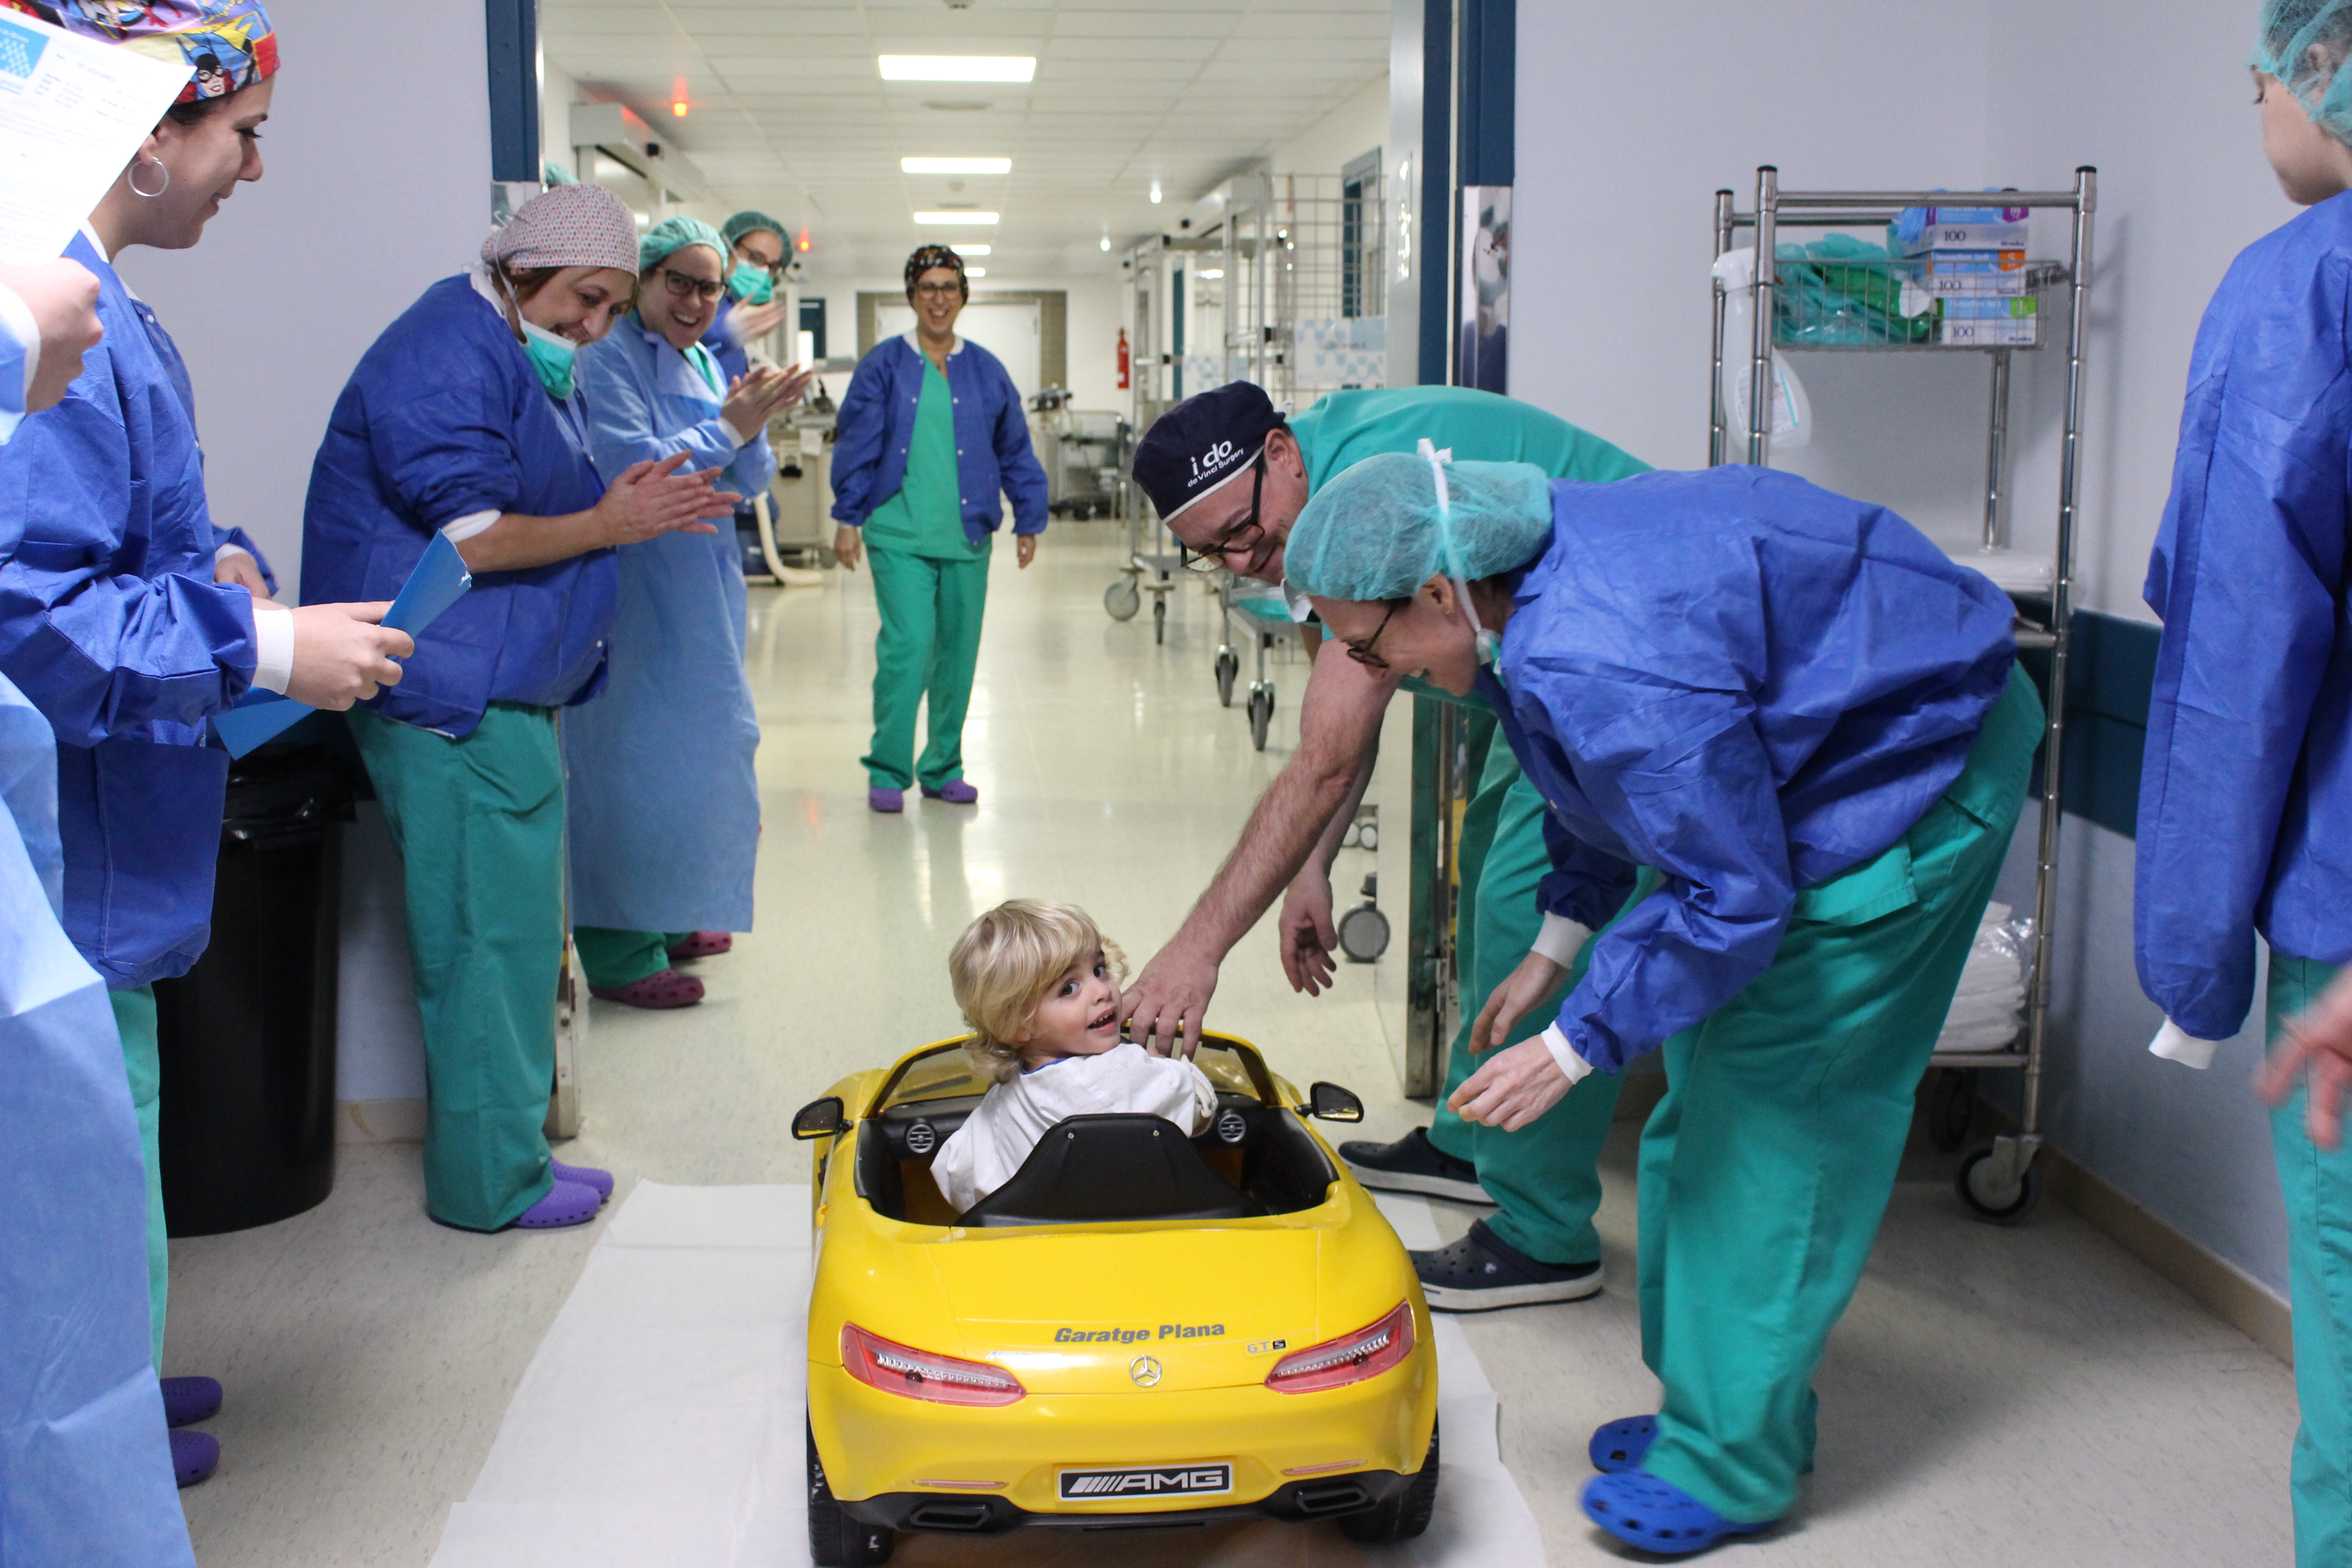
(2245, 805)
(85, 1461)
(664, 804)
(111, 623)
(1746, 683)
(175, 371)
(446, 418)
(12, 379)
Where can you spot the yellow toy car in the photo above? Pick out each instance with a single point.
(1139, 1329)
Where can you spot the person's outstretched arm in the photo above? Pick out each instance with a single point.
(1339, 728)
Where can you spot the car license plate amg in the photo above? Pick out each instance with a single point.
(1149, 1481)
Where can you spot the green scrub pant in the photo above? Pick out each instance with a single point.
(2317, 1184)
(927, 648)
(1766, 1169)
(1545, 1178)
(134, 1016)
(479, 826)
(612, 959)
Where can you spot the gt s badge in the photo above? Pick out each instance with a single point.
(1190, 1481)
(1145, 1370)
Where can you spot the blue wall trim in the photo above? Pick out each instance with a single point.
(2110, 674)
(1436, 212)
(1490, 69)
(514, 89)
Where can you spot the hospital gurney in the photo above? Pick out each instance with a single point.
(1262, 620)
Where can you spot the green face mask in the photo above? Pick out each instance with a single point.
(751, 284)
(550, 356)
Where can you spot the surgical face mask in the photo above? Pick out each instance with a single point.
(552, 357)
(751, 284)
(1490, 643)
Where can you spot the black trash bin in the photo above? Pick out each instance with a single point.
(248, 1036)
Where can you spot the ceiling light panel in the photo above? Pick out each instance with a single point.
(955, 218)
(958, 67)
(955, 165)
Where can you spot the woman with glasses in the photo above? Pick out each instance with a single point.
(465, 419)
(1808, 723)
(664, 803)
(930, 432)
(757, 251)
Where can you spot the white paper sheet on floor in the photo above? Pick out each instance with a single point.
(659, 1426)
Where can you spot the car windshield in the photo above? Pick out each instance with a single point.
(942, 1073)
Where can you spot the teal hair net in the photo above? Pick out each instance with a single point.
(745, 223)
(1374, 533)
(675, 234)
(2303, 43)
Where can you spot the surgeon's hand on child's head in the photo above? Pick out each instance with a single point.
(1078, 1016)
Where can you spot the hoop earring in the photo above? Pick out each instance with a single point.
(130, 178)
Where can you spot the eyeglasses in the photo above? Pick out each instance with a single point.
(1248, 534)
(937, 290)
(1361, 652)
(682, 286)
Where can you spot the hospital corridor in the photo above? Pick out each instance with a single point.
(2020, 1389)
(1260, 784)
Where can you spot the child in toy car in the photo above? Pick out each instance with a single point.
(1039, 984)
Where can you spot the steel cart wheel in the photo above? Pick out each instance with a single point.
(1982, 1189)
(836, 1540)
(1363, 933)
(1229, 668)
(1122, 599)
(1160, 618)
(1261, 714)
(1403, 1516)
(1951, 1108)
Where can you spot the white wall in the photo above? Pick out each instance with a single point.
(1097, 311)
(1355, 128)
(1611, 311)
(376, 182)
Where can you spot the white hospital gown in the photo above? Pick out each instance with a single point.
(998, 1135)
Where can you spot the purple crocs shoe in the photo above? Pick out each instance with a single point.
(578, 1175)
(566, 1203)
(667, 989)
(188, 1400)
(890, 801)
(194, 1457)
(955, 792)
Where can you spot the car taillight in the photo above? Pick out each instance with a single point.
(1352, 1357)
(901, 1369)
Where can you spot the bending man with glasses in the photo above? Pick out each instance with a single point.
(1230, 476)
(931, 440)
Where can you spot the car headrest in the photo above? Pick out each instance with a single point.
(1104, 1167)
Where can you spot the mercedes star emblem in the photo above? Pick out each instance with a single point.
(1145, 1369)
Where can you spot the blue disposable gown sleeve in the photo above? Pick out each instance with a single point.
(443, 454)
(860, 428)
(2248, 575)
(224, 537)
(1016, 460)
(1691, 792)
(98, 649)
(12, 377)
(1586, 884)
(624, 426)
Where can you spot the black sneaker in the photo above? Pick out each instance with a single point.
(1482, 1272)
(1413, 1164)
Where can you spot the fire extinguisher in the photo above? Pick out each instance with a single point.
(1122, 360)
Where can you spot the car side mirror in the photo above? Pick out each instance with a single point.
(1329, 1102)
(824, 1118)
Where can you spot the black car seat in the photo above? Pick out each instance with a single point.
(1111, 1167)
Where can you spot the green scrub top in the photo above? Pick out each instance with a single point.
(926, 517)
(1345, 428)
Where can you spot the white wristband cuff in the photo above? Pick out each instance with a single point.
(459, 530)
(1564, 1054)
(273, 645)
(729, 426)
(1562, 939)
(225, 551)
(17, 317)
(2175, 1044)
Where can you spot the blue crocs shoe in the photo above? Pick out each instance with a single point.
(1657, 1515)
(1621, 1445)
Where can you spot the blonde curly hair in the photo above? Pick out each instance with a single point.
(1005, 964)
